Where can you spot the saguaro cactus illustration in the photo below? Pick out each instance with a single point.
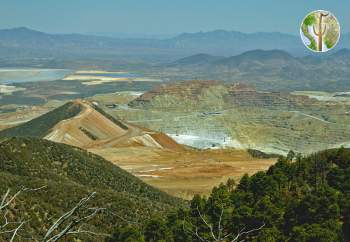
(321, 30)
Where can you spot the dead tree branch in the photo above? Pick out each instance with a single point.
(242, 233)
(219, 237)
(71, 219)
(8, 227)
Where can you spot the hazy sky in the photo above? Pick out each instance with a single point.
(165, 16)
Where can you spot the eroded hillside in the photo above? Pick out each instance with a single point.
(83, 124)
(213, 114)
(152, 156)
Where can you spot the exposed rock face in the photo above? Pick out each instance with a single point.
(238, 113)
(249, 98)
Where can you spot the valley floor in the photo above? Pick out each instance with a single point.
(184, 174)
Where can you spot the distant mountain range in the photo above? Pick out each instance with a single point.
(21, 43)
(267, 60)
(264, 56)
(266, 69)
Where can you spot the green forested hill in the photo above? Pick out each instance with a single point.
(70, 174)
(299, 199)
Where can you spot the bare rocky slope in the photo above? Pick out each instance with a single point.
(237, 115)
(84, 124)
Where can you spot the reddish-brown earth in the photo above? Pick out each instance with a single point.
(153, 156)
(91, 129)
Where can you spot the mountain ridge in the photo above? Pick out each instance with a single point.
(84, 124)
(219, 42)
(268, 70)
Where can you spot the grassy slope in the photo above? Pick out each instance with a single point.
(70, 174)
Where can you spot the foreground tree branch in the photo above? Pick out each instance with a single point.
(11, 227)
(219, 237)
(243, 232)
(69, 221)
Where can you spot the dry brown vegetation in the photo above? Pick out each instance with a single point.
(185, 173)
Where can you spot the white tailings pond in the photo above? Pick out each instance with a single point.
(223, 141)
(205, 142)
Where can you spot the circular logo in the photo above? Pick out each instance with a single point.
(320, 31)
